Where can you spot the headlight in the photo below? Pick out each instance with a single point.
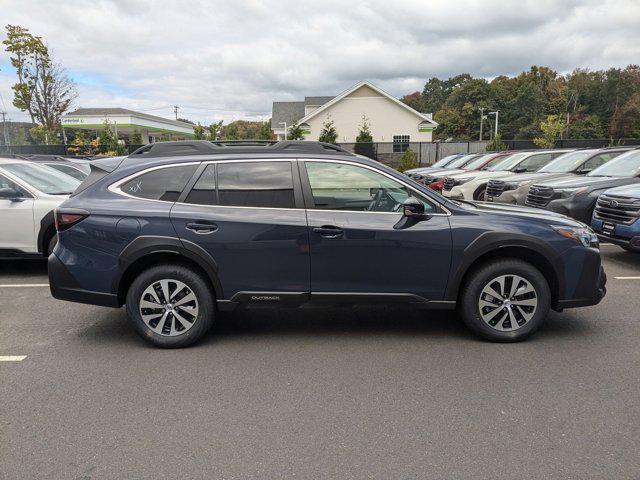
(583, 235)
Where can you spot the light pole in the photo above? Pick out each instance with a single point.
(482, 117)
(496, 128)
(285, 129)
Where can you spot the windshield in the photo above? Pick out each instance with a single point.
(443, 162)
(478, 162)
(43, 178)
(462, 161)
(508, 162)
(567, 162)
(626, 165)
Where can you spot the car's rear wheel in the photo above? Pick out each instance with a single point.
(505, 300)
(170, 306)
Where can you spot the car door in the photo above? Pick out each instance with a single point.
(249, 216)
(16, 214)
(358, 246)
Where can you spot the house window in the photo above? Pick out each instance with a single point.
(400, 143)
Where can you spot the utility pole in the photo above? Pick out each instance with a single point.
(481, 119)
(175, 110)
(4, 127)
(496, 126)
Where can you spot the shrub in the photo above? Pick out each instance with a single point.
(408, 160)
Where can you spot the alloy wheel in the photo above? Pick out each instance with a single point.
(169, 307)
(508, 302)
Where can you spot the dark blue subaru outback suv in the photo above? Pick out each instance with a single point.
(178, 231)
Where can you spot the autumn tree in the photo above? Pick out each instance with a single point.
(551, 128)
(43, 89)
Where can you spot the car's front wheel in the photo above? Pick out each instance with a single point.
(170, 306)
(505, 300)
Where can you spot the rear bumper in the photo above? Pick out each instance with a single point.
(64, 287)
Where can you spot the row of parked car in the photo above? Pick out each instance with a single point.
(600, 187)
(31, 187)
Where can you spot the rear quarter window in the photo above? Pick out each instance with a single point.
(164, 183)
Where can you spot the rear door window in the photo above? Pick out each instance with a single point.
(164, 183)
(245, 184)
(256, 184)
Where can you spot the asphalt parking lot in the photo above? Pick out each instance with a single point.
(311, 393)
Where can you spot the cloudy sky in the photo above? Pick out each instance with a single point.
(230, 60)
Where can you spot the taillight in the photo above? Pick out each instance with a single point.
(66, 218)
(437, 186)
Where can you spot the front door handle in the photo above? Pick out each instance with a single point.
(201, 227)
(329, 231)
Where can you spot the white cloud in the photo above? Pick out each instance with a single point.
(232, 59)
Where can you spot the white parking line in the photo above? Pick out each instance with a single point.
(23, 285)
(12, 358)
(627, 278)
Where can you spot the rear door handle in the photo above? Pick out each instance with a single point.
(329, 231)
(201, 227)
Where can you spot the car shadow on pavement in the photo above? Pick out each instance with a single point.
(627, 259)
(112, 327)
(23, 268)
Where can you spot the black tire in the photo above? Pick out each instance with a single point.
(480, 278)
(51, 244)
(479, 194)
(205, 303)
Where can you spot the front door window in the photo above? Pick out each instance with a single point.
(346, 187)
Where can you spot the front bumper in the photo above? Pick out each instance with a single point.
(64, 287)
(587, 283)
(627, 236)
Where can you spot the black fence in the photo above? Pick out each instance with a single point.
(389, 153)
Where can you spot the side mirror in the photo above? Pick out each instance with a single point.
(413, 208)
(583, 171)
(519, 170)
(10, 194)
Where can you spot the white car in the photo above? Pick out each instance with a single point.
(472, 186)
(29, 192)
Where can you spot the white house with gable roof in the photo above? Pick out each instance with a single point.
(389, 119)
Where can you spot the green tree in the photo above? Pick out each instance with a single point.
(585, 126)
(231, 132)
(408, 160)
(135, 138)
(264, 132)
(215, 131)
(364, 132)
(551, 128)
(108, 143)
(43, 88)
(198, 132)
(42, 135)
(496, 144)
(328, 133)
(295, 132)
